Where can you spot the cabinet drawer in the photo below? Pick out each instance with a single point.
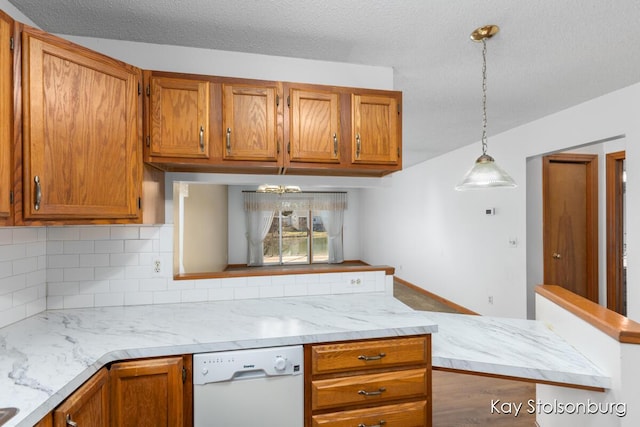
(412, 414)
(330, 358)
(368, 389)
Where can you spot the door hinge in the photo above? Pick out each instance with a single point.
(277, 100)
(184, 374)
(139, 89)
(11, 197)
(289, 147)
(148, 141)
(398, 109)
(148, 90)
(288, 101)
(11, 44)
(398, 151)
(139, 202)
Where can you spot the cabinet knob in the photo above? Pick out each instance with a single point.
(556, 255)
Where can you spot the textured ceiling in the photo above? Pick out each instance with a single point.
(548, 56)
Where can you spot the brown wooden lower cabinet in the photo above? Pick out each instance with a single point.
(381, 382)
(411, 414)
(148, 392)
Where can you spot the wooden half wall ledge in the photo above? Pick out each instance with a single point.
(611, 323)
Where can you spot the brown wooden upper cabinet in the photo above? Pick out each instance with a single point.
(249, 122)
(178, 117)
(314, 131)
(82, 156)
(375, 124)
(6, 117)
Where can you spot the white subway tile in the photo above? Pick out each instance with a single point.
(36, 249)
(295, 290)
(136, 246)
(6, 269)
(55, 275)
(153, 284)
(6, 236)
(13, 252)
(37, 306)
(108, 273)
(63, 288)
(167, 297)
(6, 301)
(246, 293)
(125, 232)
(138, 298)
(259, 281)
(63, 233)
(55, 247)
(95, 233)
(137, 272)
(271, 291)
(25, 296)
(108, 246)
(194, 295)
(220, 294)
(233, 282)
(94, 287)
(36, 278)
(81, 273)
(181, 284)
(94, 260)
(150, 232)
(12, 315)
(207, 283)
(78, 301)
(166, 238)
(25, 265)
(55, 302)
(318, 289)
(63, 261)
(125, 285)
(78, 247)
(13, 283)
(25, 235)
(123, 259)
(109, 300)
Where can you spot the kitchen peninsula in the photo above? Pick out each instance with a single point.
(44, 358)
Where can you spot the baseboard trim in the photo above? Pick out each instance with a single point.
(453, 305)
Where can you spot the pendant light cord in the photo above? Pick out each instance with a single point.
(484, 96)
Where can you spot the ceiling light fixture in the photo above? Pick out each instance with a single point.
(485, 173)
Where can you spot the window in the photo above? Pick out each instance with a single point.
(295, 228)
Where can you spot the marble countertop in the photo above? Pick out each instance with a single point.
(46, 357)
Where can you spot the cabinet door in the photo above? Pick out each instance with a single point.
(81, 132)
(179, 118)
(88, 406)
(375, 129)
(147, 393)
(6, 115)
(249, 123)
(315, 126)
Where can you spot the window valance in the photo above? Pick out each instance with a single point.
(306, 200)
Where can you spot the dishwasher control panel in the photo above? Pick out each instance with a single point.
(246, 364)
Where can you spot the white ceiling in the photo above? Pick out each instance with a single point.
(549, 54)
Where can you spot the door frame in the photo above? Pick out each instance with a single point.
(615, 231)
(591, 163)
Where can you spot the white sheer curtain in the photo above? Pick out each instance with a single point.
(258, 224)
(260, 209)
(333, 221)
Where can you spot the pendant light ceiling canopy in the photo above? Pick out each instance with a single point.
(485, 173)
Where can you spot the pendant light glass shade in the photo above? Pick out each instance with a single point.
(485, 173)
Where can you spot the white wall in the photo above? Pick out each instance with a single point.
(441, 240)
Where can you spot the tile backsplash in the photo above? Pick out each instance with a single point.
(95, 266)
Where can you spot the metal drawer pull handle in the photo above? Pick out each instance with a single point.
(380, 424)
(228, 140)
(358, 145)
(202, 138)
(335, 144)
(367, 358)
(71, 423)
(38, 195)
(372, 393)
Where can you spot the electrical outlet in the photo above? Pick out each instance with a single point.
(157, 266)
(355, 281)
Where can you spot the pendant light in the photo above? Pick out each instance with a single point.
(485, 173)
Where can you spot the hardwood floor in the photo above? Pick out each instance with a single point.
(461, 400)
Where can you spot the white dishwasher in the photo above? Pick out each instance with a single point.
(257, 387)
